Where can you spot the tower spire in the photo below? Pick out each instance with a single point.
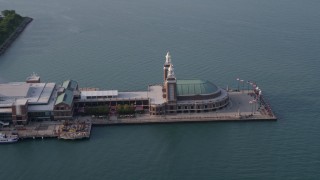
(168, 58)
(171, 72)
(171, 87)
(166, 66)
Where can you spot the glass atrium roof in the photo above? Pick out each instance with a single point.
(193, 87)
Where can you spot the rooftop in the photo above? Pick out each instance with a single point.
(193, 87)
(109, 93)
(223, 95)
(70, 84)
(66, 97)
(40, 93)
(21, 102)
(35, 93)
(5, 110)
(14, 90)
(133, 95)
(44, 107)
(155, 94)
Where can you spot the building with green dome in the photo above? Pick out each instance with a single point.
(187, 95)
(187, 88)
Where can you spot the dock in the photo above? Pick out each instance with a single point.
(242, 107)
(239, 109)
(52, 129)
(74, 130)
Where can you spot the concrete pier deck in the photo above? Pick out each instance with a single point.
(239, 109)
(35, 130)
(75, 130)
(51, 129)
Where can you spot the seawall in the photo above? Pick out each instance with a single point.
(14, 35)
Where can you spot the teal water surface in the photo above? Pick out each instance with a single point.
(121, 44)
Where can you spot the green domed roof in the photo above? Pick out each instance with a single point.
(195, 87)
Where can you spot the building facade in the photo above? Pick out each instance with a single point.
(36, 101)
(187, 95)
(24, 101)
(64, 105)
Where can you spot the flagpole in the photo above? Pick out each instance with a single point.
(250, 102)
(242, 81)
(238, 79)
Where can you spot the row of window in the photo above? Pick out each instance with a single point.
(99, 97)
(62, 108)
(192, 107)
(187, 111)
(68, 113)
(203, 106)
(112, 103)
(39, 114)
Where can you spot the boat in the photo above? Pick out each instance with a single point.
(8, 138)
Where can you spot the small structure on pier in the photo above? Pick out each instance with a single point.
(75, 130)
(33, 78)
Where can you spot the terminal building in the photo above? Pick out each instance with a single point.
(64, 105)
(170, 97)
(29, 100)
(32, 100)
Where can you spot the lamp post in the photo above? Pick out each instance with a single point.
(251, 102)
(251, 83)
(256, 91)
(260, 94)
(255, 103)
(238, 79)
(217, 113)
(248, 82)
(242, 81)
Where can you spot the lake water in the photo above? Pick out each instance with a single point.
(121, 44)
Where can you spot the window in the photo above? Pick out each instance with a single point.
(171, 92)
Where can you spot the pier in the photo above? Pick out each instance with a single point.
(239, 109)
(51, 129)
(68, 112)
(75, 130)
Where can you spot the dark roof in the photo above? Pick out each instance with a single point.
(193, 87)
(66, 97)
(70, 84)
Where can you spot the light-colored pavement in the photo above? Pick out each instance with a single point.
(239, 108)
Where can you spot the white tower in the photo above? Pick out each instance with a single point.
(171, 85)
(166, 66)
